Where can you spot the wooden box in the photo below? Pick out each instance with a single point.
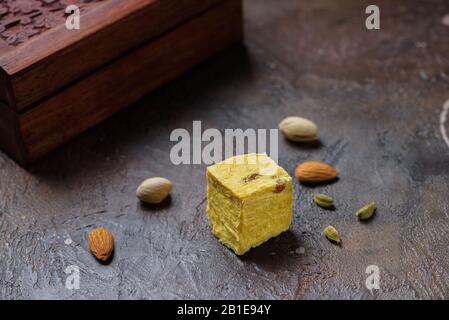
(56, 83)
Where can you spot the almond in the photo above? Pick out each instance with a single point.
(101, 243)
(315, 172)
(154, 190)
(298, 129)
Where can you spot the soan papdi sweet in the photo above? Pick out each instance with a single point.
(249, 200)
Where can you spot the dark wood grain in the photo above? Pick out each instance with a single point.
(10, 137)
(114, 87)
(54, 59)
(85, 103)
(376, 97)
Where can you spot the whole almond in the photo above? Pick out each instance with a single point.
(298, 129)
(154, 190)
(101, 243)
(315, 172)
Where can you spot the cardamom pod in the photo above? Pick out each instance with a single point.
(367, 211)
(323, 201)
(332, 234)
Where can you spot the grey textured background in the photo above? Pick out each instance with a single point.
(376, 97)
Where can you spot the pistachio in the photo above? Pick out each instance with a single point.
(323, 201)
(298, 129)
(332, 234)
(251, 177)
(367, 211)
(154, 190)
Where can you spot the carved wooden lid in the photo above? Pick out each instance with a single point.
(24, 19)
(39, 55)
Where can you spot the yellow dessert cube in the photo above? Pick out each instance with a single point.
(249, 200)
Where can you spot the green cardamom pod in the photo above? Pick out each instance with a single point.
(323, 201)
(332, 234)
(367, 211)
